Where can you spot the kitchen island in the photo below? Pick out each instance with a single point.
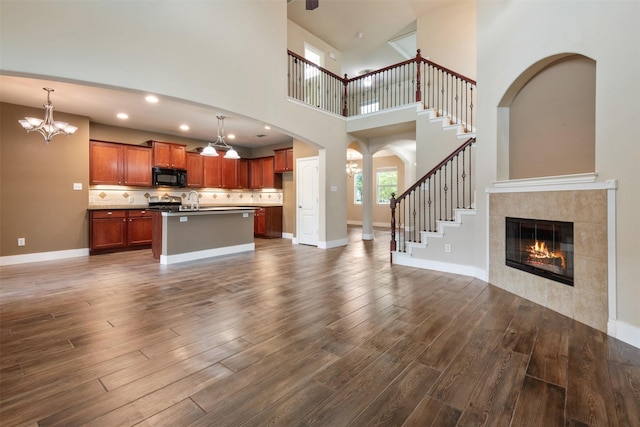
(180, 236)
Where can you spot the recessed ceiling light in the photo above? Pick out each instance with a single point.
(231, 136)
(267, 127)
(122, 116)
(152, 99)
(184, 127)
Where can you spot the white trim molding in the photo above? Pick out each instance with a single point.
(43, 256)
(584, 181)
(447, 267)
(333, 244)
(207, 253)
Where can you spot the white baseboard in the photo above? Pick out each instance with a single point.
(287, 235)
(375, 224)
(333, 244)
(465, 270)
(43, 256)
(624, 332)
(207, 253)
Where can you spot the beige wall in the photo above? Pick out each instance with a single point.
(37, 199)
(298, 36)
(381, 213)
(446, 34)
(552, 121)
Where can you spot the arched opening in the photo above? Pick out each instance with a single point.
(547, 120)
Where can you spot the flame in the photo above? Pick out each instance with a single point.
(539, 250)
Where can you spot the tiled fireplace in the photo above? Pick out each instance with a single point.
(586, 210)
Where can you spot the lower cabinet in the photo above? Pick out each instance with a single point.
(119, 230)
(267, 222)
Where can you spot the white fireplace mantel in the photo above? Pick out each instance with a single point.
(583, 181)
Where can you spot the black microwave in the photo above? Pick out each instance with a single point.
(165, 177)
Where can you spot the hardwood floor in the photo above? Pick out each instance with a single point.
(293, 335)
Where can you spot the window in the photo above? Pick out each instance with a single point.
(315, 56)
(387, 182)
(357, 189)
(369, 107)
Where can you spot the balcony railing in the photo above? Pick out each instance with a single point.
(448, 93)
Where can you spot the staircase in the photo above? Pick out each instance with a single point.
(438, 201)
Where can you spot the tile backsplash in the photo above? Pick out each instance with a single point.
(119, 196)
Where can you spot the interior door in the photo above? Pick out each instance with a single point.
(307, 198)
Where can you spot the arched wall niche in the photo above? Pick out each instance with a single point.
(546, 120)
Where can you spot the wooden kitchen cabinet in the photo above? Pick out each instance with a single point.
(137, 166)
(243, 173)
(283, 160)
(267, 222)
(220, 172)
(262, 174)
(229, 173)
(119, 230)
(169, 155)
(212, 172)
(195, 170)
(112, 163)
(108, 230)
(139, 228)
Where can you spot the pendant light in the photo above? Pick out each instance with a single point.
(48, 128)
(220, 144)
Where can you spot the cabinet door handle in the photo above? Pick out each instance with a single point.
(109, 213)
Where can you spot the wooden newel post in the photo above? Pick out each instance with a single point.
(392, 205)
(418, 76)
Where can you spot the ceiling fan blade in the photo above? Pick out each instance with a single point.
(312, 4)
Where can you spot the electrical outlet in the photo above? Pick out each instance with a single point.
(447, 248)
(21, 241)
(184, 219)
(77, 186)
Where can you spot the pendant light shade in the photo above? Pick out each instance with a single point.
(220, 144)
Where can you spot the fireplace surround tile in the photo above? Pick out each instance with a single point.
(560, 298)
(587, 300)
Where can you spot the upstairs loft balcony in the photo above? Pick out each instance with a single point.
(447, 93)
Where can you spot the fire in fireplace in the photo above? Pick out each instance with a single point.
(540, 247)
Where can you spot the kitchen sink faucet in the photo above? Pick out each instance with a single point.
(194, 192)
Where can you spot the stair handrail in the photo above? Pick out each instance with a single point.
(394, 201)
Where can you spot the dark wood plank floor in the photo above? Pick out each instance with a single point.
(296, 336)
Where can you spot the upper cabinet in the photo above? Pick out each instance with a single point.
(283, 160)
(262, 173)
(169, 155)
(195, 170)
(119, 164)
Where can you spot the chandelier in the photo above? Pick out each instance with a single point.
(47, 127)
(220, 144)
(352, 168)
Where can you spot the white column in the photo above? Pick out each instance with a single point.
(367, 196)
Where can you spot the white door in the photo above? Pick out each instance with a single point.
(307, 201)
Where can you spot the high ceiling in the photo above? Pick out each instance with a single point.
(336, 21)
(360, 29)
